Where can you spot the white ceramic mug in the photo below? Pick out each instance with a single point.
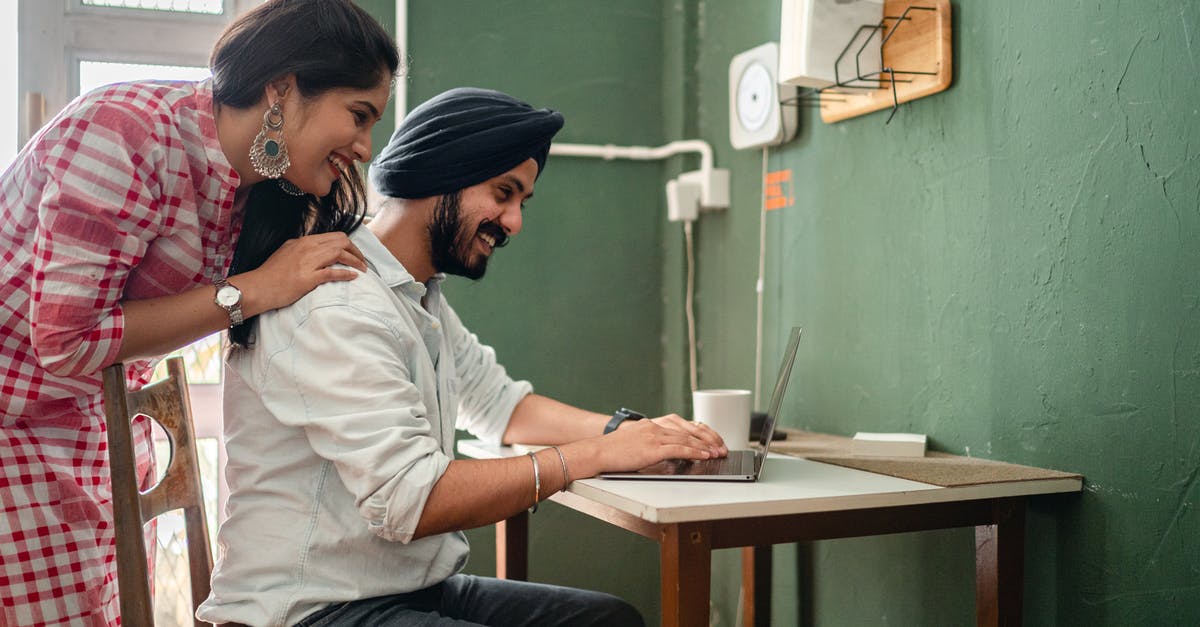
(727, 412)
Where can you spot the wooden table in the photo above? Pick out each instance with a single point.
(795, 500)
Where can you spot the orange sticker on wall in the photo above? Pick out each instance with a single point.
(777, 187)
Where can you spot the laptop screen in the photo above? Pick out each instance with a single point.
(785, 373)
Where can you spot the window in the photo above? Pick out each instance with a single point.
(93, 74)
(8, 84)
(211, 7)
(58, 39)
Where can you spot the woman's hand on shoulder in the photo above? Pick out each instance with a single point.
(300, 265)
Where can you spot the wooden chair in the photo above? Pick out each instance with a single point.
(167, 403)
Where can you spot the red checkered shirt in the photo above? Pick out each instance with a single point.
(124, 195)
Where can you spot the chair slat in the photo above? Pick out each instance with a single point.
(167, 402)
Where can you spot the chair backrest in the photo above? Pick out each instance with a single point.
(167, 402)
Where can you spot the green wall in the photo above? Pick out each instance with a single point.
(573, 304)
(1009, 267)
(385, 12)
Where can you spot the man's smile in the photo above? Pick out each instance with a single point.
(492, 235)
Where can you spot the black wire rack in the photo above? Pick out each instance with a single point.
(886, 77)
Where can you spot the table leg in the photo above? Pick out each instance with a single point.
(999, 565)
(512, 548)
(806, 589)
(686, 555)
(756, 586)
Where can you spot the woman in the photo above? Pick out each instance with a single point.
(117, 228)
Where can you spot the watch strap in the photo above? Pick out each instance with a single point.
(619, 416)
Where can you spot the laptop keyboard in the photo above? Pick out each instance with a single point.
(719, 466)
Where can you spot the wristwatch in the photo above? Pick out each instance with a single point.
(619, 416)
(229, 298)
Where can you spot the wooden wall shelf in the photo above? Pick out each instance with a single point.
(917, 49)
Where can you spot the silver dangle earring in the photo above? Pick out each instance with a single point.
(268, 152)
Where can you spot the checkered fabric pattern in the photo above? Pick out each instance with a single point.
(124, 195)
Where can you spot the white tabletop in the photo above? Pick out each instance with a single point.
(789, 485)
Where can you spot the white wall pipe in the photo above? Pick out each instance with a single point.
(609, 152)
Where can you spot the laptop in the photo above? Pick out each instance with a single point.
(743, 465)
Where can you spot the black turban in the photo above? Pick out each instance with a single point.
(460, 138)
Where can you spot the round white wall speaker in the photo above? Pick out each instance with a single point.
(756, 117)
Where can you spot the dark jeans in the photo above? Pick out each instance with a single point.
(468, 600)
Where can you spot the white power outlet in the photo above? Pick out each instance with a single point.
(714, 187)
(683, 201)
(696, 191)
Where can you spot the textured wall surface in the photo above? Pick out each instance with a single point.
(1009, 266)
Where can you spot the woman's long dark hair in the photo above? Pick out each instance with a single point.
(272, 217)
(326, 44)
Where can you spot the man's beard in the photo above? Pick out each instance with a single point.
(451, 246)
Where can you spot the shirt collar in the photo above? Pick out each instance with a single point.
(381, 261)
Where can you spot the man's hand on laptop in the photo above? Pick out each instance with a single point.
(701, 431)
(637, 444)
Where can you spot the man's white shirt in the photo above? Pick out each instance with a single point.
(338, 422)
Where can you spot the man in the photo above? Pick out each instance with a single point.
(346, 504)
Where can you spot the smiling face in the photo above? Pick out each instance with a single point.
(469, 224)
(325, 134)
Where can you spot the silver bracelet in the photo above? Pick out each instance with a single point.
(537, 484)
(566, 475)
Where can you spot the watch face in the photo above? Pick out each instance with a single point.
(228, 296)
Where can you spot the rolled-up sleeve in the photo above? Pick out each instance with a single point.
(363, 411)
(487, 395)
(97, 215)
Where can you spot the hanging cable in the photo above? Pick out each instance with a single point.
(688, 300)
(759, 286)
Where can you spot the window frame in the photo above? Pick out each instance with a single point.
(58, 35)
(228, 7)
